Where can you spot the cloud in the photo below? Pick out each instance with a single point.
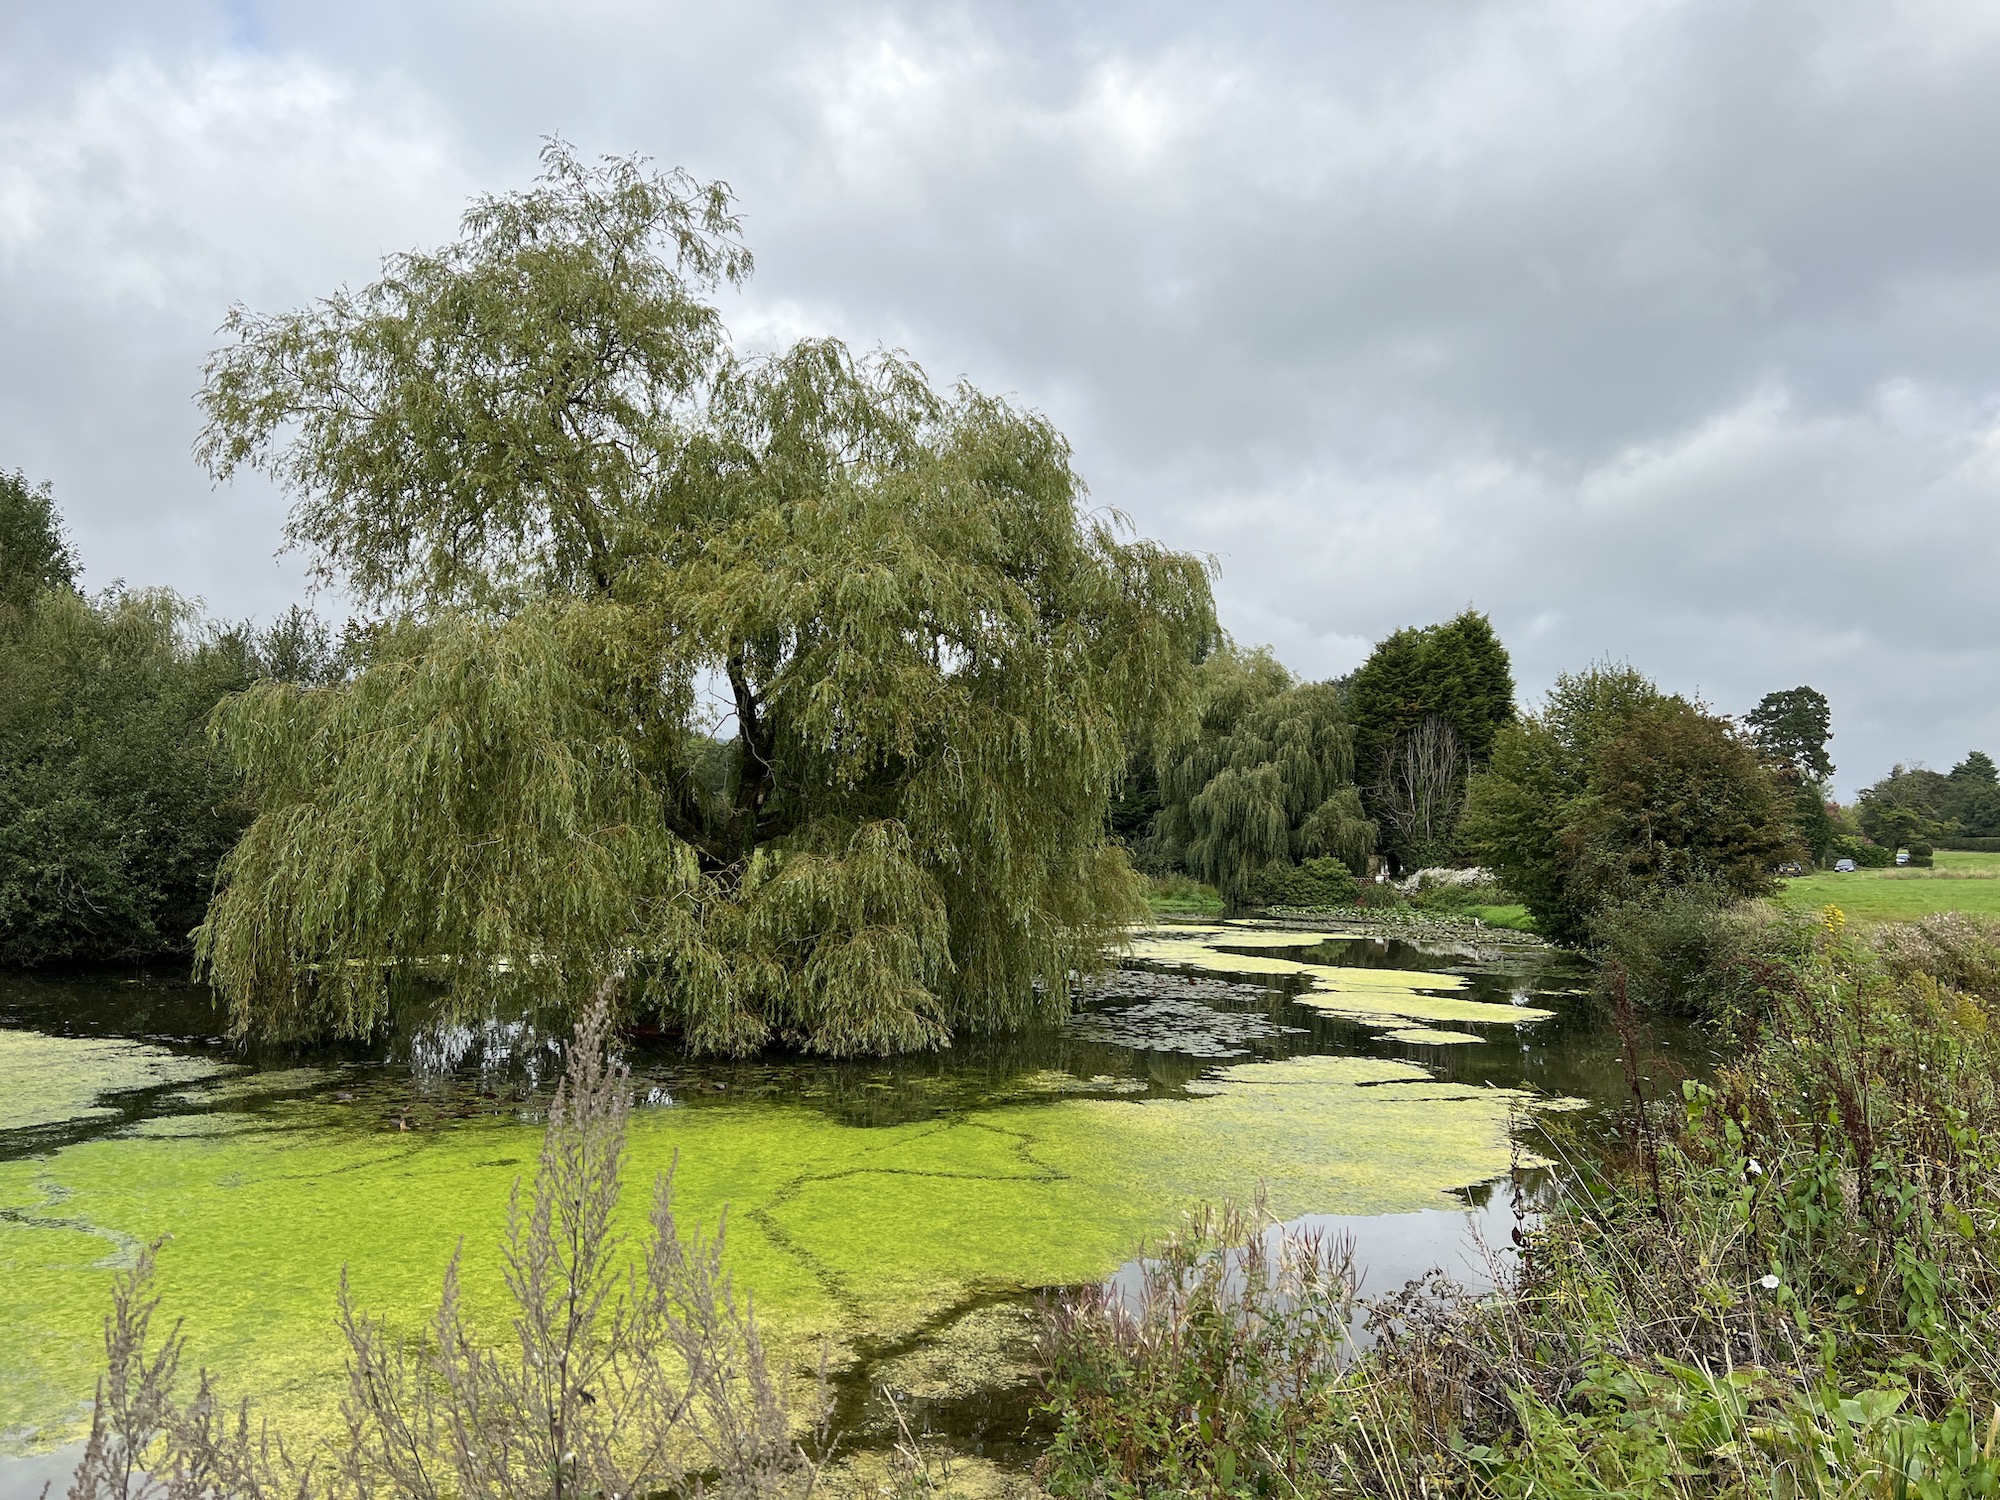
(135, 206)
(1663, 329)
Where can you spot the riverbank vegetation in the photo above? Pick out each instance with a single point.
(1778, 1282)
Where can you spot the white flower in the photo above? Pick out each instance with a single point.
(1768, 1283)
(1756, 1167)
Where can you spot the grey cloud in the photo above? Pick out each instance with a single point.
(1660, 330)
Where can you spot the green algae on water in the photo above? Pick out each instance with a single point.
(1430, 1036)
(55, 1080)
(860, 1235)
(1385, 997)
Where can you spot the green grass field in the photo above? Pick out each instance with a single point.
(1959, 882)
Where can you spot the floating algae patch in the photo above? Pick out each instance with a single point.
(1430, 1036)
(1383, 997)
(861, 1235)
(991, 1346)
(54, 1080)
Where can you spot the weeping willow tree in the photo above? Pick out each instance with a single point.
(787, 691)
(1267, 780)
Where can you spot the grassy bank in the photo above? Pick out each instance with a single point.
(1779, 1284)
(1962, 882)
(1182, 896)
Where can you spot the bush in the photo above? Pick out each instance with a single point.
(1205, 1382)
(1688, 952)
(1921, 855)
(1869, 856)
(1780, 1283)
(114, 813)
(1314, 882)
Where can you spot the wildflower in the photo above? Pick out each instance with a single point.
(1768, 1282)
(1755, 1168)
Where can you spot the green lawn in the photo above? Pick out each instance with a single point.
(1515, 917)
(1959, 882)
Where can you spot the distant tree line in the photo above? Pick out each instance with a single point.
(1611, 793)
(114, 810)
(1915, 806)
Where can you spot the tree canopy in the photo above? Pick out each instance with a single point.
(34, 553)
(1791, 730)
(113, 810)
(1266, 782)
(1613, 791)
(1974, 799)
(1426, 707)
(1916, 805)
(790, 690)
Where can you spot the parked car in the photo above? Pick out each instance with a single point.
(1902, 856)
(1843, 866)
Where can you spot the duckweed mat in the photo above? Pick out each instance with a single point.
(856, 1235)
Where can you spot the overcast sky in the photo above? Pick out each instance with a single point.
(1668, 332)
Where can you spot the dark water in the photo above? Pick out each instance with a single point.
(1146, 1033)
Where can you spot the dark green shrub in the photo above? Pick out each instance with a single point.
(1921, 855)
(1870, 856)
(1314, 882)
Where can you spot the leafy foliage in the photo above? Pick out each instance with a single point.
(1519, 812)
(1792, 728)
(34, 553)
(1426, 706)
(1614, 791)
(1974, 799)
(1312, 882)
(1914, 804)
(792, 689)
(1266, 781)
(1678, 798)
(1199, 1383)
(1909, 805)
(113, 812)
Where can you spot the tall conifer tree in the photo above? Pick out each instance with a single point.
(1415, 686)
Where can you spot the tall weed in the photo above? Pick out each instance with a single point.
(624, 1375)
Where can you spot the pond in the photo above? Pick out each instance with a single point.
(900, 1214)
